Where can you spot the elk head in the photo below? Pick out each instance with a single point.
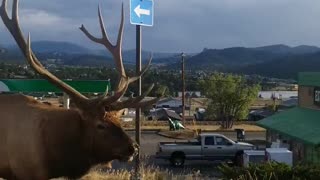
(103, 135)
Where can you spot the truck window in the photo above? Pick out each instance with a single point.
(222, 141)
(209, 140)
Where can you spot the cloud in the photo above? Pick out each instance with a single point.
(179, 25)
(32, 18)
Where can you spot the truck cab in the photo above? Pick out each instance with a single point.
(220, 147)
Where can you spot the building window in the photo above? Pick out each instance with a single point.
(317, 96)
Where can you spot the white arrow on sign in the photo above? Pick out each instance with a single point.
(140, 11)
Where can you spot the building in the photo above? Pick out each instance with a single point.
(190, 94)
(277, 94)
(191, 105)
(173, 104)
(163, 114)
(298, 128)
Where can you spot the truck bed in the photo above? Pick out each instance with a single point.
(181, 143)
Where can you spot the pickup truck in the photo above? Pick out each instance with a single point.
(207, 146)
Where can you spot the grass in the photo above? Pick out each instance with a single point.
(147, 173)
(125, 175)
(204, 126)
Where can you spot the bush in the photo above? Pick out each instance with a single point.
(271, 171)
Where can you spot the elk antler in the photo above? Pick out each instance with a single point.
(14, 28)
(137, 102)
(112, 102)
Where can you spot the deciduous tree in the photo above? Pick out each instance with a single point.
(230, 97)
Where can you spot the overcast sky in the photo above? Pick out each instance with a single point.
(179, 25)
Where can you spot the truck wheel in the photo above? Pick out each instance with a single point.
(177, 160)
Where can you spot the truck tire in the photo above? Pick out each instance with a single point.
(177, 159)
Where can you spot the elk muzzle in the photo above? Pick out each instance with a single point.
(131, 152)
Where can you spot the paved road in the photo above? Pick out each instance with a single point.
(150, 140)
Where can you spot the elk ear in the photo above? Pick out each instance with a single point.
(108, 165)
(120, 112)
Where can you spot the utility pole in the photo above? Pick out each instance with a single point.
(183, 88)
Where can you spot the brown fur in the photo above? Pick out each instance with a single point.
(41, 141)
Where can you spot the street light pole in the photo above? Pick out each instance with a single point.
(183, 88)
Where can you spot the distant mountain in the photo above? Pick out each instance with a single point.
(274, 60)
(236, 57)
(55, 47)
(284, 49)
(89, 60)
(2, 50)
(129, 56)
(222, 59)
(9, 55)
(276, 49)
(45, 50)
(284, 67)
(304, 49)
(67, 52)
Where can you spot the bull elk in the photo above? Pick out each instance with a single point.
(40, 141)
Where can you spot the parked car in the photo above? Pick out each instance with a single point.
(207, 146)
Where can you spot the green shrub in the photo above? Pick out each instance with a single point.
(271, 171)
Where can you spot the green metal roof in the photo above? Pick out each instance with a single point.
(299, 123)
(309, 79)
(41, 85)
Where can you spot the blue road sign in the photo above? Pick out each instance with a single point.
(141, 12)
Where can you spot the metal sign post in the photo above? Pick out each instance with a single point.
(141, 14)
(138, 110)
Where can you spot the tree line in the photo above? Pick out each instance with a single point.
(229, 95)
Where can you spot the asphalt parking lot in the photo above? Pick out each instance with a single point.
(150, 140)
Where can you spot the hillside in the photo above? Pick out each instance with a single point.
(275, 60)
(284, 67)
(89, 60)
(53, 47)
(2, 50)
(247, 59)
(68, 52)
(284, 49)
(224, 59)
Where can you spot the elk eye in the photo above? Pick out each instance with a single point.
(102, 126)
